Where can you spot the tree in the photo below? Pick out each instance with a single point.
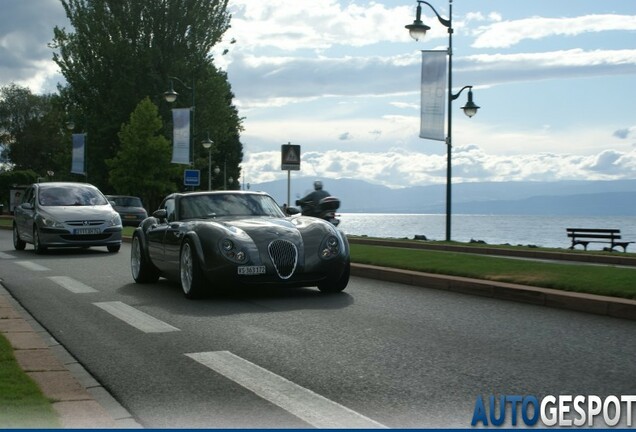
(32, 132)
(123, 50)
(142, 165)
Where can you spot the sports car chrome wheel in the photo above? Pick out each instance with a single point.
(18, 243)
(191, 277)
(142, 269)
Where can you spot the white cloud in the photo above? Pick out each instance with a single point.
(398, 167)
(505, 34)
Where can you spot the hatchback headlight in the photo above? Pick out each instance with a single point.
(48, 222)
(115, 220)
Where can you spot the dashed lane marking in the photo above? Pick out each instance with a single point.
(72, 285)
(136, 318)
(311, 407)
(30, 265)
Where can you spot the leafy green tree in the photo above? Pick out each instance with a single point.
(142, 165)
(123, 50)
(32, 132)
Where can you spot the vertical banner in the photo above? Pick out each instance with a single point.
(181, 136)
(77, 160)
(433, 95)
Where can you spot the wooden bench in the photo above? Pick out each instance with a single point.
(585, 236)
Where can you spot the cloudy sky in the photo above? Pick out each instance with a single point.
(555, 81)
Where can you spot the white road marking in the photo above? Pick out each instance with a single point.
(6, 256)
(316, 410)
(30, 265)
(72, 285)
(135, 317)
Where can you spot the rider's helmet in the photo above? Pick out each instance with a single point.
(318, 185)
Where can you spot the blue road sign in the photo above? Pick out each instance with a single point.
(191, 177)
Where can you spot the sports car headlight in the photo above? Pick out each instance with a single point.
(330, 247)
(227, 245)
(232, 252)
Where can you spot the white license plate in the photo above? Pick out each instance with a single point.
(251, 270)
(86, 231)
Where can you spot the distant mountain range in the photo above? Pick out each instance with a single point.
(572, 198)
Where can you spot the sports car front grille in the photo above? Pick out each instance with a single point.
(284, 255)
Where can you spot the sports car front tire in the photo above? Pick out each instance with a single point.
(335, 286)
(142, 269)
(192, 279)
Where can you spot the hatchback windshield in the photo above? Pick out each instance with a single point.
(127, 201)
(70, 195)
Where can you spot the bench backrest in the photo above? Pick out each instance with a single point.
(594, 233)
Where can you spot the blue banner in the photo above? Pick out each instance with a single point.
(181, 136)
(77, 162)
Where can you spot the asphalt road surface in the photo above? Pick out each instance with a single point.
(376, 355)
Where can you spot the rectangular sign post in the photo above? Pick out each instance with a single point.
(290, 160)
(191, 177)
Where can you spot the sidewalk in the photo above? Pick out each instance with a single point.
(80, 401)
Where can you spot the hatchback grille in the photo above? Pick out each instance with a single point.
(85, 223)
(284, 255)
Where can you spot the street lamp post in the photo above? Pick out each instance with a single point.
(207, 144)
(217, 170)
(226, 180)
(418, 30)
(170, 96)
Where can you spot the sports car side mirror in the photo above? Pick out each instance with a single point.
(292, 211)
(160, 214)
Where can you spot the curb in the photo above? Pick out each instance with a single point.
(590, 303)
(79, 400)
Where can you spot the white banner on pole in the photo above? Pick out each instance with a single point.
(181, 136)
(433, 95)
(77, 156)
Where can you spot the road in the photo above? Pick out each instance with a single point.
(377, 355)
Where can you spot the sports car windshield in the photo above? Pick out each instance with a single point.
(70, 196)
(219, 205)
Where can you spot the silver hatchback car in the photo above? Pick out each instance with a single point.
(65, 214)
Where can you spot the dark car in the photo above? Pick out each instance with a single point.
(65, 214)
(130, 208)
(221, 240)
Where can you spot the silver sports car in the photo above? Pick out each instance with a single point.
(208, 240)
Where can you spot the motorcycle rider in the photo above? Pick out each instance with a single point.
(309, 204)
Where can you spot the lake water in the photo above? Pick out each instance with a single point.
(546, 231)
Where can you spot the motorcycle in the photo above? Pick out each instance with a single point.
(326, 209)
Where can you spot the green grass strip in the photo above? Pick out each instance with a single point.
(592, 279)
(22, 404)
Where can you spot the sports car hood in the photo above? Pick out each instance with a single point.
(265, 227)
(289, 229)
